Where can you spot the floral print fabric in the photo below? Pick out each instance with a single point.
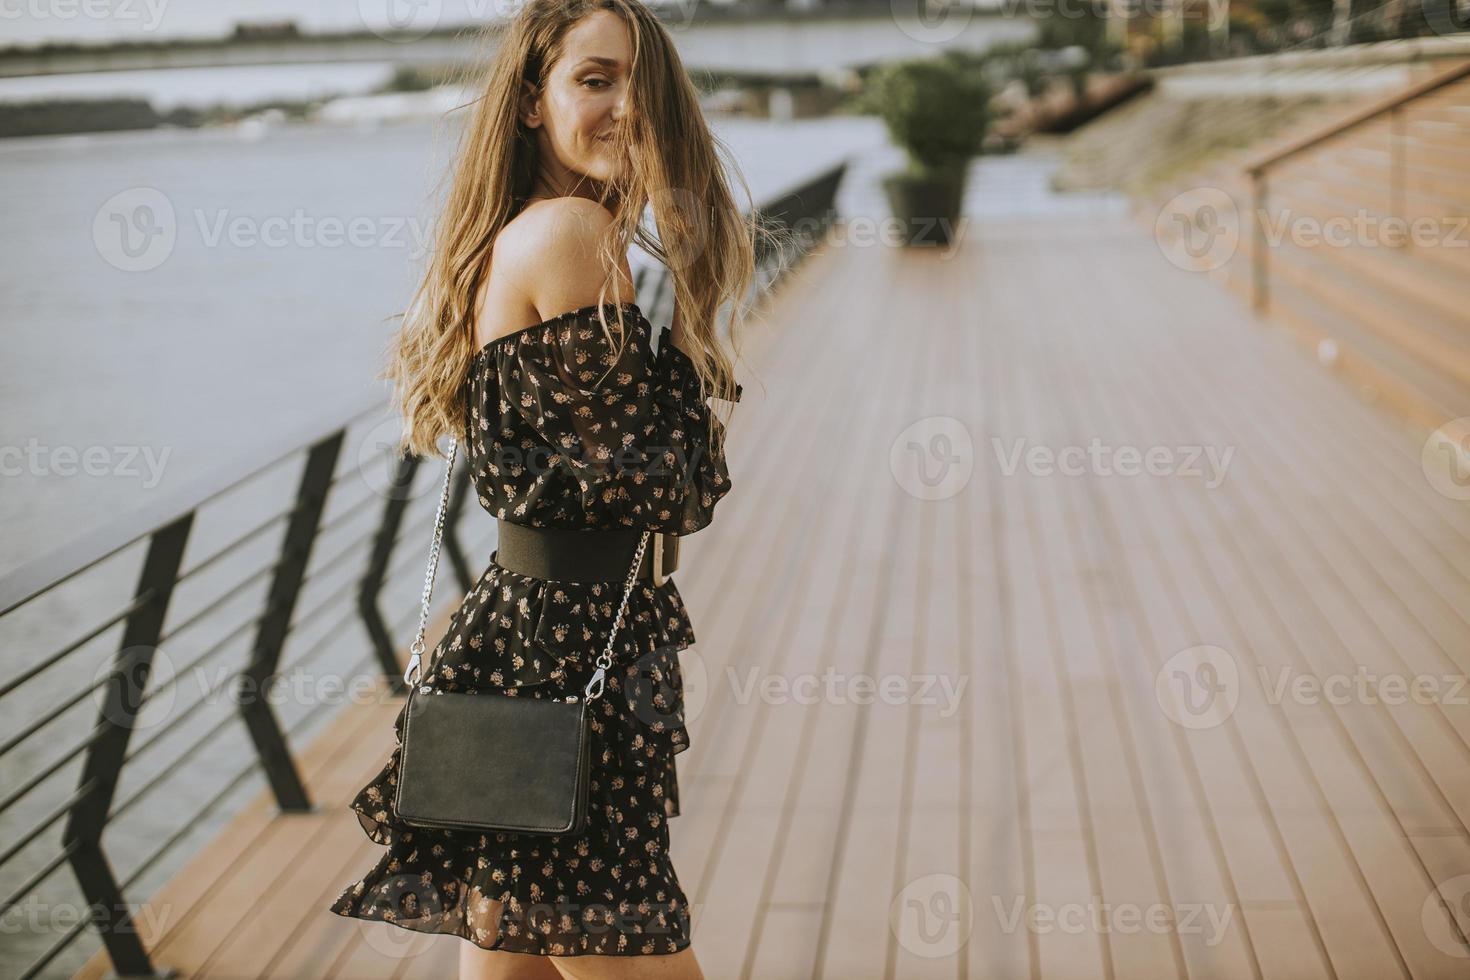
(566, 430)
(573, 431)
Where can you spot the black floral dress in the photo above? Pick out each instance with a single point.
(566, 429)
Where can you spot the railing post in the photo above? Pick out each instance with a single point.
(122, 696)
(1260, 289)
(377, 568)
(301, 534)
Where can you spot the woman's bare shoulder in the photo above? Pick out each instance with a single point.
(545, 262)
(562, 228)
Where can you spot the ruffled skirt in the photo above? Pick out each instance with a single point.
(610, 890)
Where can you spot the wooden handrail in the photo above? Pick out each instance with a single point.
(1257, 166)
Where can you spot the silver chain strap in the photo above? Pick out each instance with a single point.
(604, 660)
(410, 676)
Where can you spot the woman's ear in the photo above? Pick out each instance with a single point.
(530, 108)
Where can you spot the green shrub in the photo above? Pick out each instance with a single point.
(936, 109)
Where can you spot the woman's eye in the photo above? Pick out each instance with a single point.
(589, 81)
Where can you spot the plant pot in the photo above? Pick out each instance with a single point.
(927, 205)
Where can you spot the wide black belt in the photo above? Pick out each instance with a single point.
(575, 555)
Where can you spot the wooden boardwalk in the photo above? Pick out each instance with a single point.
(1109, 761)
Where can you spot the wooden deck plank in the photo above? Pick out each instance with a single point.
(1369, 792)
(864, 841)
(1419, 627)
(1065, 867)
(1256, 881)
(1130, 870)
(716, 825)
(1162, 796)
(760, 594)
(762, 737)
(799, 867)
(729, 590)
(786, 948)
(732, 599)
(319, 942)
(187, 895)
(936, 816)
(1388, 864)
(923, 647)
(253, 911)
(1320, 857)
(1401, 742)
(1001, 861)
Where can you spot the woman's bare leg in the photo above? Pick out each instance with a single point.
(484, 964)
(476, 963)
(664, 966)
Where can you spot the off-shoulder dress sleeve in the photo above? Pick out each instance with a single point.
(629, 426)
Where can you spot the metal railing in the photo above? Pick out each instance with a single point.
(163, 532)
(1259, 167)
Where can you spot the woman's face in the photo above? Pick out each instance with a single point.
(576, 113)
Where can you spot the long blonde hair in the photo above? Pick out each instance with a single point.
(703, 239)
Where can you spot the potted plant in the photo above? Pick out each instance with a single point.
(937, 110)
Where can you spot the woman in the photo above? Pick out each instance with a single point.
(535, 354)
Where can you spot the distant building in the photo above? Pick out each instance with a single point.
(266, 30)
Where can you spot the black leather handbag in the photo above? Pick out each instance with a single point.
(493, 761)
